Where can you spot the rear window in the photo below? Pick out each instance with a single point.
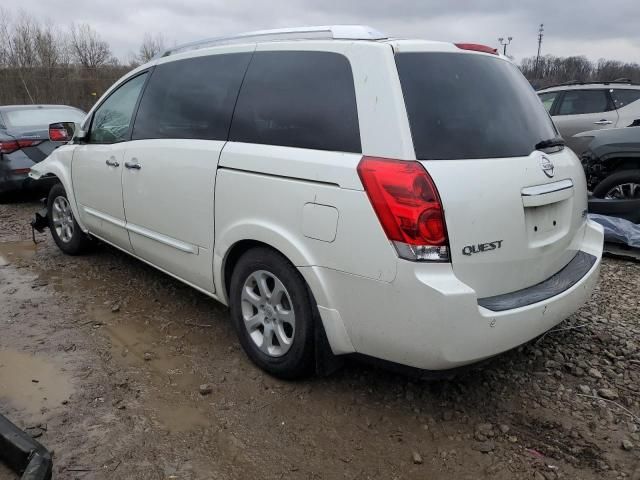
(38, 117)
(298, 99)
(464, 106)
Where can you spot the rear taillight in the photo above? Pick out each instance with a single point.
(407, 203)
(57, 133)
(476, 47)
(10, 146)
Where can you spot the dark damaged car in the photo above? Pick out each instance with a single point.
(26, 139)
(612, 166)
(612, 163)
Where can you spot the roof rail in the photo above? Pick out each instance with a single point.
(622, 81)
(336, 32)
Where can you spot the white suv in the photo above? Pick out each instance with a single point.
(579, 107)
(341, 191)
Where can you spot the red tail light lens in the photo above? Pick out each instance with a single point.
(407, 203)
(9, 146)
(476, 47)
(14, 145)
(58, 134)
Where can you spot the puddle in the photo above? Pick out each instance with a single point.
(9, 251)
(172, 383)
(31, 383)
(180, 418)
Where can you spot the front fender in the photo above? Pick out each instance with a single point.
(59, 165)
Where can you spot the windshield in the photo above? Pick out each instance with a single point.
(41, 117)
(464, 106)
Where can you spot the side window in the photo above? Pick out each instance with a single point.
(298, 99)
(547, 99)
(622, 97)
(577, 102)
(112, 119)
(191, 98)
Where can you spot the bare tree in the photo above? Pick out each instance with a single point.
(151, 46)
(89, 50)
(41, 64)
(554, 70)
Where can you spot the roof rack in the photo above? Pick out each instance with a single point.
(621, 81)
(335, 32)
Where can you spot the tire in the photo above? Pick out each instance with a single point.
(287, 314)
(63, 226)
(616, 179)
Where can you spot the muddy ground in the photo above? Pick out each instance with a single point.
(102, 358)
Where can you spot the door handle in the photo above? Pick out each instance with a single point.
(603, 122)
(112, 163)
(133, 165)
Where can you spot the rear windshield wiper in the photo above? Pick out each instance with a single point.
(550, 143)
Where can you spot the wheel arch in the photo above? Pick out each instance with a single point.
(228, 252)
(58, 165)
(244, 234)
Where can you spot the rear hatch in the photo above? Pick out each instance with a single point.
(514, 214)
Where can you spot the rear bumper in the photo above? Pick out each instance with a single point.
(17, 182)
(428, 319)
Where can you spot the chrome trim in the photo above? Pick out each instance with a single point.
(158, 237)
(547, 188)
(104, 216)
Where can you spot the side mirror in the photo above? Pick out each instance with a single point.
(61, 131)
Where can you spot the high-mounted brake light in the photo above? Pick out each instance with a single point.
(476, 47)
(407, 203)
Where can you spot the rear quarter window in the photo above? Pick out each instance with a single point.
(622, 97)
(464, 106)
(298, 99)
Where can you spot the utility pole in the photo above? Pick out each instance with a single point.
(504, 44)
(540, 35)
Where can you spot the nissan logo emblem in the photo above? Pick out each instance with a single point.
(547, 166)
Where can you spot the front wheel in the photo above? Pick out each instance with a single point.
(273, 313)
(64, 229)
(621, 185)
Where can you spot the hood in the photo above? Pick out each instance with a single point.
(614, 140)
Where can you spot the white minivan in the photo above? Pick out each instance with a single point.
(343, 192)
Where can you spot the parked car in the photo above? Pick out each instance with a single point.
(399, 199)
(25, 140)
(581, 107)
(612, 162)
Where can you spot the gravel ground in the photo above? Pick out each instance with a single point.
(111, 355)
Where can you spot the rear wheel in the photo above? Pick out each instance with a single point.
(273, 313)
(621, 185)
(64, 229)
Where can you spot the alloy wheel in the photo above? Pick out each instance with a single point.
(62, 217)
(624, 191)
(268, 313)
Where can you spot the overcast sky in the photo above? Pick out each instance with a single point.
(595, 28)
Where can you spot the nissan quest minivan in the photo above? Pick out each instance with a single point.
(341, 191)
